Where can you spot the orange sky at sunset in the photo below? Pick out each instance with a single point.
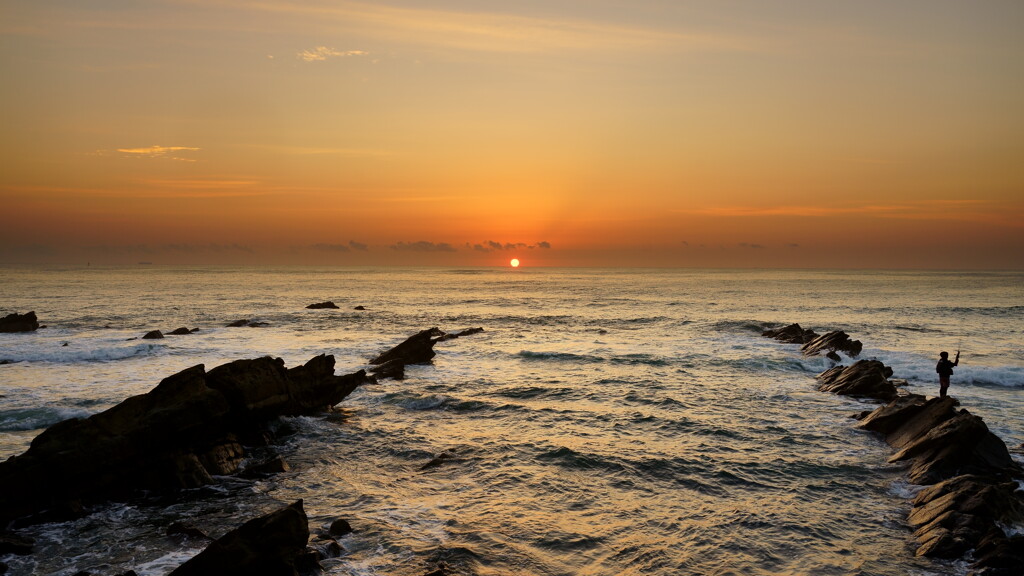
(563, 133)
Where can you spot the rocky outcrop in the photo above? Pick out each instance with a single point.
(416, 349)
(831, 343)
(792, 334)
(192, 426)
(322, 305)
(153, 335)
(245, 322)
(466, 332)
(939, 441)
(968, 470)
(865, 378)
(19, 322)
(182, 331)
(271, 545)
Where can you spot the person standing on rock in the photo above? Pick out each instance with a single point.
(945, 370)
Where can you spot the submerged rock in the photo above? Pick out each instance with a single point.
(271, 545)
(182, 331)
(186, 430)
(834, 341)
(19, 322)
(153, 335)
(322, 305)
(793, 334)
(865, 378)
(247, 324)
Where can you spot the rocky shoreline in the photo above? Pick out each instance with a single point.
(972, 485)
(193, 427)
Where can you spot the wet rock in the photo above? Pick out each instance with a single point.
(187, 531)
(273, 465)
(865, 378)
(360, 308)
(11, 543)
(153, 335)
(246, 323)
(792, 334)
(182, 331)
(177, 436)
(437, 461)
(391, 369)
(340, 527)
(835, 341)
(19, 322)
(4, 568)
(939, 441)
(999, 555)
(322, 305)
(417, 349)
(466, 332)
(271, 545)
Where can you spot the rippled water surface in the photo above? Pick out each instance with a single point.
(605, 422)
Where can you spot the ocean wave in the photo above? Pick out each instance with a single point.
(37, 418)
(73, 353)
(623, 359)
(756, 326)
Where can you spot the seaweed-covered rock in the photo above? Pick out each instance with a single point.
(834, 341)
(271, 545)
(865, 378)
(793, 334)
(19, 322)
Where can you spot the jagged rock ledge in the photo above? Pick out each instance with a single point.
(194, 425)
(417, 349)
(970, 476)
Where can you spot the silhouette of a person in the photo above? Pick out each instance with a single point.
(945, 370)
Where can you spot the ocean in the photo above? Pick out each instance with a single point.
(606, 422)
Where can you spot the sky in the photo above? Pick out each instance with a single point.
(784, 134)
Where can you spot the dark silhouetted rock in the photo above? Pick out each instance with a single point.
(390, 369)
(437, 461)
(19, 322)
(792, 334)
(179, 435)
(998, 555)
(186, 531)
(340, 527)
(322, 305)
(417, 349)
(153, 335)
(865, 378)
(270, 545)
(360, 308)
(835, 341)
(246, 323)
(466, 332)
(182, 331)
(11, 543)
(273, 465)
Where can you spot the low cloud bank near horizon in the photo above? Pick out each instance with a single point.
(492, 246)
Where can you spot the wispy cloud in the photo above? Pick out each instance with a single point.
(149, 249)
(949, 210)
(321, 53)
(487, 31)
(423, 246)
(492, 246)
(162, 152)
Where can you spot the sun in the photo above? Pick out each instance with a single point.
(514, 263)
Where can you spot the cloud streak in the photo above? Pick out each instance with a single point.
(322, 53)
(161, 152)
(492, 246)
(423, 246)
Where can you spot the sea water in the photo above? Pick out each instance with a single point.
(605, 422)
